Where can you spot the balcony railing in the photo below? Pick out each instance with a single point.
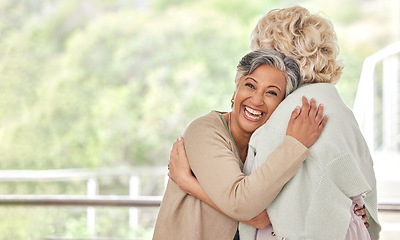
(134, 203)
(81, 200)
(92, 198)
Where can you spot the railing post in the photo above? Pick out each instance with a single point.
(364, 104)
(92, 189)
(134, 184)
(390, 103)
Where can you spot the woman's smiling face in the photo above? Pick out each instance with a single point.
(256, 96)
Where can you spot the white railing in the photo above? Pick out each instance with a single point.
(132, 202)
(80, 200)
(366, 102)
(76, 174)
(377, 111)
(92, 199)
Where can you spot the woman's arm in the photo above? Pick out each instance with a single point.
(214, 162)
(180, 173)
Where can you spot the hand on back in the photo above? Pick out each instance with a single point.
(178, 166)
(307, 122)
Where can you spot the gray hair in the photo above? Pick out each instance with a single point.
(270, 57)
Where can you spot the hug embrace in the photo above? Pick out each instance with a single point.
(288, 161)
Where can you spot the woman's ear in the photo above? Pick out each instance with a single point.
(233, 98)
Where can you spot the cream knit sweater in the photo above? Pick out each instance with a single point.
(315, 203)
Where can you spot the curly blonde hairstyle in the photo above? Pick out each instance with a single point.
(308, 38)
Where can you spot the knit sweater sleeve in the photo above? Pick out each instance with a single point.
(339, 167)
(215, 162)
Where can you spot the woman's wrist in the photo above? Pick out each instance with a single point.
(186, 183)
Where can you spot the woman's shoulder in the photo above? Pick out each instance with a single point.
(207, 131)
(210, 121)
(324, 93)
(312, 89)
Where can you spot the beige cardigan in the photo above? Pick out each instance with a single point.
(215, 161)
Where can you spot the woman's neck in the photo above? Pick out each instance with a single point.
(241, 140)
(242, 143)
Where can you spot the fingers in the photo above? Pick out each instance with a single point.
(295, 114)
(171, 176)
(178, 161)
(359, 210)
(305, 105)
(365, 220)
(320, 113)
(313, 107)
(362, 212)
(172, 160)
(307, 122)
(180, 145)
(323, 123)
(173, 153)
(366, 224)
(314, 111)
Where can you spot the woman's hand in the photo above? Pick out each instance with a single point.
(181, 174)
(306, 123)
(360, 211)
(260, 221)
(179, 168)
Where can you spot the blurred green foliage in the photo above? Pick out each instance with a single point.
(93, 86)
(71, 223)
(87, 84)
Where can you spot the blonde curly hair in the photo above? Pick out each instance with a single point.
(308, 38)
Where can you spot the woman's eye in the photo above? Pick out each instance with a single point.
(272, 92)
(249, 85)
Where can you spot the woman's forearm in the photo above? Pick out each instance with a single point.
(198, 192)
(234, 199)
(195, 190)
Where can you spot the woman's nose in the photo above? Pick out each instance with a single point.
(257, 99)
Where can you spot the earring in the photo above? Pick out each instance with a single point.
(232, 101)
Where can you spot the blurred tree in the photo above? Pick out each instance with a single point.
(118, 88)
(101, 83)
(106, 83)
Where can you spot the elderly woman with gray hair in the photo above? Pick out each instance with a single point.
(216, 145)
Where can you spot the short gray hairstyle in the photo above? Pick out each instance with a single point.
(270, 57)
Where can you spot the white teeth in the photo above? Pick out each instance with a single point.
(253, 114)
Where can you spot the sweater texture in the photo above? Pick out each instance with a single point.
(215, 162)
(315, 203)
